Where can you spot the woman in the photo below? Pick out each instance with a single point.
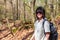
(41, 33)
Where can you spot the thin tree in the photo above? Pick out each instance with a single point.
(17, 9)
(33, 9)
(59, 6)
(52, 10)
(13, 9)
(24, 12)
(5, 9)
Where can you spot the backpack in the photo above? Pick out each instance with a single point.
(53, 31)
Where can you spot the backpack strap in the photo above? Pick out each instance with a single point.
(43, 24)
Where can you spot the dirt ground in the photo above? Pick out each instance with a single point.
(59, 33)
(20, 35)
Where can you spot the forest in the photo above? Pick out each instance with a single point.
(17, 17)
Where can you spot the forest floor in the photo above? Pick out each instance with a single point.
(19, 35)
(23, 34)
(59, 33)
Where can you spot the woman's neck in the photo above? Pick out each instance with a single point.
(40, 19)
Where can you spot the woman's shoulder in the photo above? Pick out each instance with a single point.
(46, 21)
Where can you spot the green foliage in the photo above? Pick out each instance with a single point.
(28, 22)
(1, 11)
(48, 15)
(25, 1)
(27, 27)
(58, 14)
(14, 30)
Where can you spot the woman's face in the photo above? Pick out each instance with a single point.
(39, 15)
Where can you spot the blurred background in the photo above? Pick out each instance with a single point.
(17, 17)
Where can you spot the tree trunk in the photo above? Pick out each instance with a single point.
(21, 10)
(24, 13)
(33, 10)
(17, 9)
(5, 9)
(58, 6)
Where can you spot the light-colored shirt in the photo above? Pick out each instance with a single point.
(40, 30)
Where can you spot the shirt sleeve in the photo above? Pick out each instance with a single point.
(47, 26)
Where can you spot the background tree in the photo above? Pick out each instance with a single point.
(5, 9)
